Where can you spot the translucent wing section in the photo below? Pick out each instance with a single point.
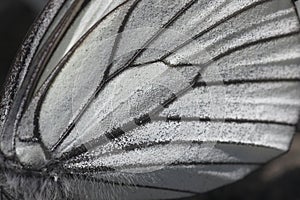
(17, 84)
(90, 13)
(172, 98)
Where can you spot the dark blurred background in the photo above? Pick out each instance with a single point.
(16, 16)
(278, 180)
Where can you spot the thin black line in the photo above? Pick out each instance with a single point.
(152, 39)
(212, 27)
(118, 39)
(258, 121)
(216, 163)
(82, 149)
(31, 82)
(51, 43)
(73, 153)
(194, 163)
(146, 63)
(53, 20)
(216, 58)
(14, 95)
(92, 169)
(85, 3)
(116, 133)
(221, 55)
(219, 120)
(244, 81)
(56, 70)
(242, 144)
(256, 42)
(164, 62)
(296, 10)
(243, 46)
(60, 27)
(117, 72)
(248, 29)
(145, 145)
(112, 135)
(267, 64)
(177, 65)
(67, 132)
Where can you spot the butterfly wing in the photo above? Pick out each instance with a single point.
(60, 19)
(164, 100)
(17, 83)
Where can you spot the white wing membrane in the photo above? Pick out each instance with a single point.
(190, 94)
(82, 69)
(279, 23)
(280, 63)
(90, 15)
(191, 26)
(144, 26)
(244, 133)
(274, 102)
(103, 110)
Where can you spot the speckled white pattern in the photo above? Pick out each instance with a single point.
(87, 18)
(217, 107)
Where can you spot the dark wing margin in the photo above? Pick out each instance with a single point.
(30, 62)
(14, 89)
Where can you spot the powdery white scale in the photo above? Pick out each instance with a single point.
(148, 99)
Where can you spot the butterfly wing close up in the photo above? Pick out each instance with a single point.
(144, 99)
